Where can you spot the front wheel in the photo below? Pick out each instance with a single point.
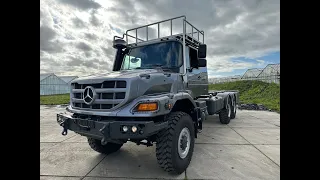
(175, 143)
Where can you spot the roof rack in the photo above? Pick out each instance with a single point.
(190, 38)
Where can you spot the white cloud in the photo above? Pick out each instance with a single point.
(76, 35)
(261, 63)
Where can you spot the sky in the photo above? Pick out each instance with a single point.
(76, 35)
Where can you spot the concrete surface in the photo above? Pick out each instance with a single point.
(247, 148)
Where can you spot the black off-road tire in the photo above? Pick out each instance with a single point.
(109, 148)
(225, 115)
(167, 143)
(233, 109)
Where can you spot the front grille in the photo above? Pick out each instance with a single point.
(120, 95)
(109, 95)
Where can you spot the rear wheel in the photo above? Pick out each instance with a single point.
(108, 148)
(233, 109)
(175, 144)
(225, 114)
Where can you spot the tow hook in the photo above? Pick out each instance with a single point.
(65, 130)
(104, 141)
(64, 124)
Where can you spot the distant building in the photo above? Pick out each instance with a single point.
(224, 79)
(270, 74)
(68, 79)
(51, 84)
(251, 74)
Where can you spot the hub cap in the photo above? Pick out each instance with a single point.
(184, 143)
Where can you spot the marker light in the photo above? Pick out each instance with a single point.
(153, 106)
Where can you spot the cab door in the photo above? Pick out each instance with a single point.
(197, 77)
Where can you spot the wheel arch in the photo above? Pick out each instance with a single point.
(184, 105)
(188, 106)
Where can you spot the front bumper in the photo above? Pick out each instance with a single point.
(109, 130)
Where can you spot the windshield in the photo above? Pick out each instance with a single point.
(165, 55)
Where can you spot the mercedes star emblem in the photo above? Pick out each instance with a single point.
(89, 95)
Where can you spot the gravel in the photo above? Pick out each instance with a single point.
(254, 107)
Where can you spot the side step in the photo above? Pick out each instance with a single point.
(201, 114)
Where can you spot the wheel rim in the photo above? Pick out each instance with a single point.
(184, 143)
(235, 107)
(229, 110)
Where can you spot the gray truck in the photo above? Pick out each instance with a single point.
(157, 93)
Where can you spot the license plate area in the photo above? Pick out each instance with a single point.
(87, 124)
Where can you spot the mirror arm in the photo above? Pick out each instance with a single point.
(190, 69)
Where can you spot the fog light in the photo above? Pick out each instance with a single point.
(134, 129)
(125, 128)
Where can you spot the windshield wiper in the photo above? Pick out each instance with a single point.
(163, 66)
(150, 66)
(157, 66)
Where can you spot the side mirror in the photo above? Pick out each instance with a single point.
(134, 60)
(119, 44)
(202, 51)
(202, 62)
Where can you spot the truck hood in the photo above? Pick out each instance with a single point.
(125, 74)
(139, 82)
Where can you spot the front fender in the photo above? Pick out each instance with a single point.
(162, 100)
(183, 95)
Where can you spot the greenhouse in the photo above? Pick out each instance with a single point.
(68, 79)
(270, 74)
(251, 74)
(51, 84)
(224, 79)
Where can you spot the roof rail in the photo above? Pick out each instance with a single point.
(189, 37)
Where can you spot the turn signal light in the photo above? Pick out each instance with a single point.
(148, 106)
